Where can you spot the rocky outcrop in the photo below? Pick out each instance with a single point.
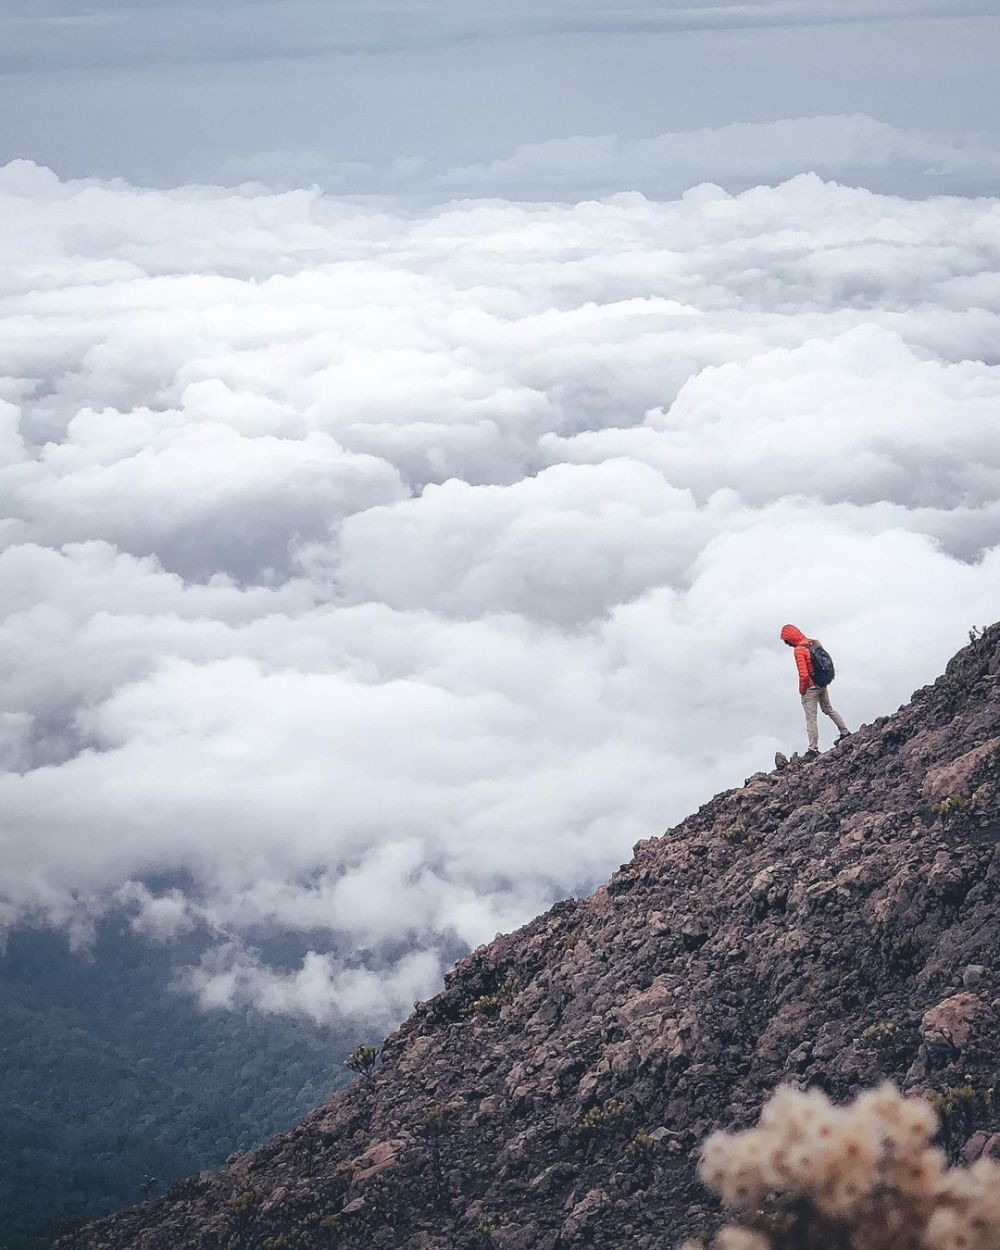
(827, 924)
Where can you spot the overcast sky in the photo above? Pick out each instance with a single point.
(373, 96)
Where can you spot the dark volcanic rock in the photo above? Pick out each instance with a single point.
(828, 924)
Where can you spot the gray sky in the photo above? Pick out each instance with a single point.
(295, 91)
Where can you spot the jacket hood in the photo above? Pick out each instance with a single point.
(792, 633)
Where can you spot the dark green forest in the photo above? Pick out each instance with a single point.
(108, 1075)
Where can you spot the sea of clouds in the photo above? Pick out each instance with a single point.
(379, 575)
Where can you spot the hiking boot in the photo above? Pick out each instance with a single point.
(845, 734)
(811, 754)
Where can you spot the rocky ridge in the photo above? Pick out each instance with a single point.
(827, 924)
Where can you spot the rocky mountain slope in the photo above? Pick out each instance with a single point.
(826, 924)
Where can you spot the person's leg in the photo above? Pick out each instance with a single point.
(828, 708)
(809, 700)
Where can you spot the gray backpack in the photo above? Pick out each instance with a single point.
(822, 665)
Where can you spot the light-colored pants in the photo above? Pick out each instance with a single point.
(819, 697)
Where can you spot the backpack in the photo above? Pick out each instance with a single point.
(822, 665)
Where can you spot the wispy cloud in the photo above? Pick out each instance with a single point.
(849, 148)
(72, 36)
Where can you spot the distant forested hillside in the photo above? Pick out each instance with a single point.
(106, 1075)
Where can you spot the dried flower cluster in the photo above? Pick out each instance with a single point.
(813, 1176)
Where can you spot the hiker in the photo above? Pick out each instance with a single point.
(815, 674)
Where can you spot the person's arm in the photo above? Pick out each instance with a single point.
(803, 662)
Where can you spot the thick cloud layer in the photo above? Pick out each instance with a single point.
(379, 576)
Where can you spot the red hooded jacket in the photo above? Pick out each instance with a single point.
(803, 657)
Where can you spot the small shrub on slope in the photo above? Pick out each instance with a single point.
(813, 1176)
(363, 1059)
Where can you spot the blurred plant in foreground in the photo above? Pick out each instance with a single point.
(814, 1176)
